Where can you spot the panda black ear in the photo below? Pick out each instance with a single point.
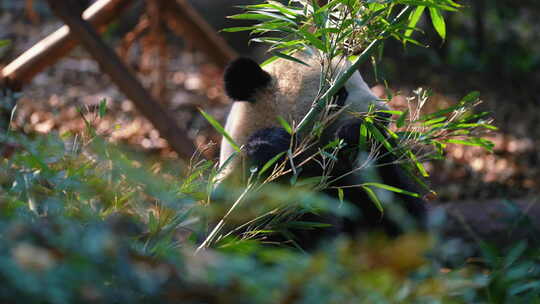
(243, 77)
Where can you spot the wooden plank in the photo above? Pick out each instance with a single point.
(112, 65)
(55, 46)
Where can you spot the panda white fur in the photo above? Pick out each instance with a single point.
(288, 89)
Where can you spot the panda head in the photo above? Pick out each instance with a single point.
(285, 89)
(292, 86)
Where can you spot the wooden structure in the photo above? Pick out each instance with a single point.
(82, 27)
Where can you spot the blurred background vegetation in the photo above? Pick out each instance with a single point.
(99, 243)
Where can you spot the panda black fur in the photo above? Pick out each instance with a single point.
(287, 89)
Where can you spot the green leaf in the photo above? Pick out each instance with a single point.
(285, 124)
(220, 129)
(336, 143)
(373, 198)
(474, 141)
(393, 112)
(362, 141)
(269, 60)
(341, 195)
(413, 20)
(313, 40)
(418, 164)
(262, 16)
(392, 188)
(271, 162)
(250, 17)
(4, 42)
(435, 121)
(238, 29)
(438, 22)
(401, 120)
(288, 57)
(274, 6)
(379, 136)
(474, 125)
(102, 108)
(305, 225)
(473, 117)
(471, 97)
(440, 113)
(329, 6)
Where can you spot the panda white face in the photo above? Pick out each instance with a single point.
(283, 89)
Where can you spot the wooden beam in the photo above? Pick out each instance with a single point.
(185, 21)
(55, 46)
(113, 66)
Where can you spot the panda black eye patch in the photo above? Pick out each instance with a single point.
(243, 77)
(264, 144)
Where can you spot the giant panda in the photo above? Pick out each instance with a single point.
(287, 89)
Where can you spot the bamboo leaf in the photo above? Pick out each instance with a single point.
(417, 164)
(305, 225)
(341, 195)
(413, 20)
(313, 40)
(220, 129)
(373, 198)
(401, 120)
(438, 22)
(285, 124)
(471, 97)
(102, 108)
(4, 42)
(362, 141)
(373, 130)
(287, 57)
(434, 121)
(238, 29)
(250, 16)
(474, 141)
(392, 188)
(271, 162)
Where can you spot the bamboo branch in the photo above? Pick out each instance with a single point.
(184, 20)
(111, 64)
(55, 46)
(342, 79)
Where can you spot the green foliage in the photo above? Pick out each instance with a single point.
(340, 27)
(83, 221)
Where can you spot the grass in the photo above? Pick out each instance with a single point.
(83, 220)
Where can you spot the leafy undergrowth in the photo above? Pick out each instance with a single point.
(83, 221)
